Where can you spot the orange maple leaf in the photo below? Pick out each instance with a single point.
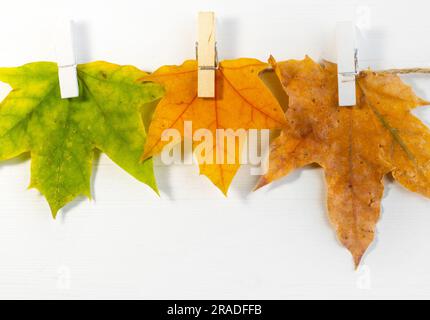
(356, 146)
(242, 101)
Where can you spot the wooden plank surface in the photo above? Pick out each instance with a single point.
(192, 242)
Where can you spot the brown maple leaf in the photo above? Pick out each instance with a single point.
(242, 102)
(356, 146)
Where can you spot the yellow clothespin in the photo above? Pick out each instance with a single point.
(207, 56)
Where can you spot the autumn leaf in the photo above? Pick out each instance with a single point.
(242, 102)
(61, 135)
(356, 146)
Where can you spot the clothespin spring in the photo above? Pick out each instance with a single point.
(68, 66)
(216, 62)
(350, 76)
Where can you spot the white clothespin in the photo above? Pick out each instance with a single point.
(66, 58)
(207, 56)
(347, 60)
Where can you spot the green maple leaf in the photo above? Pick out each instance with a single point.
(61, 134)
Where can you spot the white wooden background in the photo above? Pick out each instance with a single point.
(193, 242)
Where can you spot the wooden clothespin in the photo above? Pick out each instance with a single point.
(66, 58)
(207, 56)
(347, 60)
